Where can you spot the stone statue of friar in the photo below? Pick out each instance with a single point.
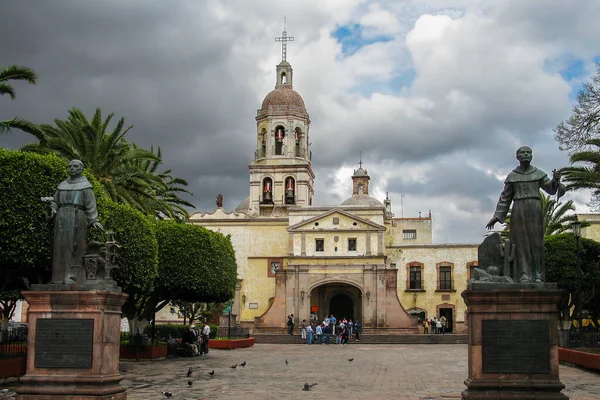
(522, 189)
(74, 211)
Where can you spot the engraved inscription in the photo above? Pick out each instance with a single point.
(515, 346)
(64, 343)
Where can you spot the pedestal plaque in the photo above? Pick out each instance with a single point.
(64, 343)
(519, 346)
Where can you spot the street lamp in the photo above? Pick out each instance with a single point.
(576, 227)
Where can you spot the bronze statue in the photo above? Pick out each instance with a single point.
(522, 189)
(74, 210)
(219, 200)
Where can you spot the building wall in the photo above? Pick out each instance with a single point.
(592, 231)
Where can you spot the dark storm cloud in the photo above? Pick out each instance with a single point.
(167, 69)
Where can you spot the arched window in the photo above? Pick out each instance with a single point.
(283, 78)
(267, 189)
(299, 145)
(361, 188)
(262, 144)
(290, 190)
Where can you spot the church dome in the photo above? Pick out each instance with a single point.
(362, 200)
(283, 95)
(360, 172)
(243, 206)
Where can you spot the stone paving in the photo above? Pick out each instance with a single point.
(377, 372)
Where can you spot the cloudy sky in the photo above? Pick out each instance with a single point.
(437, 94)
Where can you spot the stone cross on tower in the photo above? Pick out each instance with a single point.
(284, 38)
(360, 163)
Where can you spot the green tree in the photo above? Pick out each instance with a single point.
(584, 122)
(194, 265)
(16, 73)
(560, 260)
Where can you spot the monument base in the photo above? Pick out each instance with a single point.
(513, 343)
(73, 346)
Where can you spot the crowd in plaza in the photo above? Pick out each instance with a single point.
(435, 325)
(330, 329)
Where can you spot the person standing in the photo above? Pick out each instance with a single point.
(425, 327)
(290, 324)
(358, 329)
(438, 326)
(205, 337)
(327, 334)
(350, 327)
(303, 329)
(319, 331)
(443, 321)
(310, 332)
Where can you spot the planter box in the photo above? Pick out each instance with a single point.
(231, 343)
(146, 352)
(12, 367)
(580, 358)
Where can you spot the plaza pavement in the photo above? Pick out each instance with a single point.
(388, 371)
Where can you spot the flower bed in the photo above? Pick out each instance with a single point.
(582, 359)
(146, 352)
(229, 344)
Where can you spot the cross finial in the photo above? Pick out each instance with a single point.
(360, 163)
(284, 38)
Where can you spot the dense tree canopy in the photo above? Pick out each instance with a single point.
(16, 73)
(560, 259)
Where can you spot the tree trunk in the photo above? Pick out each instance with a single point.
(137, 326)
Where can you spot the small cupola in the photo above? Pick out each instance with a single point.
(360, 181)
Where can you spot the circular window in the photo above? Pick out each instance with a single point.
(316, 224)
(354, 223)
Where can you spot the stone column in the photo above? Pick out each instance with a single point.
(73, 346)
(513, 341)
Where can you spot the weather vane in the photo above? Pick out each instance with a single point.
(284, 38)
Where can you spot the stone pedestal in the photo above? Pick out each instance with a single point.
(513, 342)
(73, 346)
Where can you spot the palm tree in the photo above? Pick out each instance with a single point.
(587, 175)
(556, 219)
(16, 73)
(106, 154)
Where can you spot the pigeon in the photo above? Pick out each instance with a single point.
(189, 373)
(243, 364)
(286, 362)
(351, 359)
(233, 366)
(167, 394)
(189, 383)
(212, 373)
(307, 387)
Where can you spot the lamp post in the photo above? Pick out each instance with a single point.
(576, 227)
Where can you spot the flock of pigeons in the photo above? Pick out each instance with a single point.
(190, 371)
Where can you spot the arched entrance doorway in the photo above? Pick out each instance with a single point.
(341, 305)
(340, 299)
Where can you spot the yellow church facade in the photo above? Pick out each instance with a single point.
(353, 260)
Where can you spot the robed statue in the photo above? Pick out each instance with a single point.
(74, 211)
(522, 189)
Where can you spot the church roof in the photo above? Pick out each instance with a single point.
(360, 172)
(362, 200)
(283, 95)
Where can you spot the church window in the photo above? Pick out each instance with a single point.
(290, 191)
(445, 277)
(267, 195)
(352, 244)
(283, 78)
(409, 234)
(415, 278)
(319, 244)
(361, 188)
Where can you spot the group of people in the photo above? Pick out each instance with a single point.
(435, 325)
(197, 340)
(314, 332)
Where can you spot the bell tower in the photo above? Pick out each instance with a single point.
(281, 174)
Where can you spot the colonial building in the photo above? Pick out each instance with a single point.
(354, 260)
